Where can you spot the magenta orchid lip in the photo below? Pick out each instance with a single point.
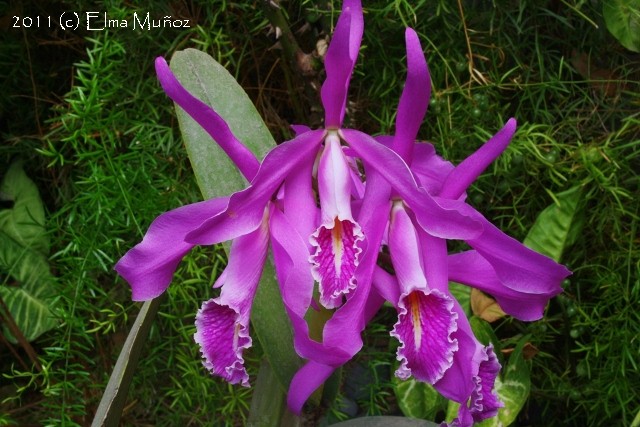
(408, 200)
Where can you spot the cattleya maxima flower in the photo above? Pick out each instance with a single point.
(408, 200)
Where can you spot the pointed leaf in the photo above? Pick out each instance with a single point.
(210, 82)
(558, 226)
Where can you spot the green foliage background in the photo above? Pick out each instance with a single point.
(100, 139)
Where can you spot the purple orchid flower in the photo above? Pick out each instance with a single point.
(412, 201)
(437, 344)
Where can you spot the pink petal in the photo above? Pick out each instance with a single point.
(223, 334)
(296, 286)
(470, 268)
(340, 61)
(425, 326)
(149, 266)
(335, 260)
(483, 403)
(414, 99)
(336, 240)
(222, 324)
(446, 222)
(246, 207)
(470, 169)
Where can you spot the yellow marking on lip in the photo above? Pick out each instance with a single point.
(414, 306)
(338, 246)
(236, 335)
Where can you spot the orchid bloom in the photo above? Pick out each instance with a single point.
(410, 200)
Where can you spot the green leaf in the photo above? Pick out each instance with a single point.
(24, 223)
(513, 388)
(418, 399)
(462, 293)
(622, 18)
(23, 249)
(115, 395)
(484, 333)
(558, 226)
(210, 82)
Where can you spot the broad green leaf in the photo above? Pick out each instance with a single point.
(512, 388)
(418, 399)
(31, 314)
(210, 82)
(27, 291)
(24, 223)
(622, 18)
(558, 226)
(266, 406)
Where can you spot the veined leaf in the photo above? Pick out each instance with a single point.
(24, 223)
(622, 18)
(210, 82)
(558, 226)
(23, 249)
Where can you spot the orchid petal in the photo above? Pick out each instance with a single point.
(222, 324)
(470, 268)
(244, 211)
(483, 402)
(470, 168)
(209, 120)
(405, 251)
(429, 168)
(425, 317)
(518, 267)
(343, 329)
(305, 382)
(414, 99)
(296, 286)
(340, 61)
(149, 266)
(425, 326)
(456, 383)
(434, 218)
(386, 285)
(336, 240)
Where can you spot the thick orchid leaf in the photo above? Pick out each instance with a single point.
(512, 387)
(418, 399)
(622, 18)
(27, 290)
(385, 421)
(210, 82)
(115, 395)
(558, 226)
